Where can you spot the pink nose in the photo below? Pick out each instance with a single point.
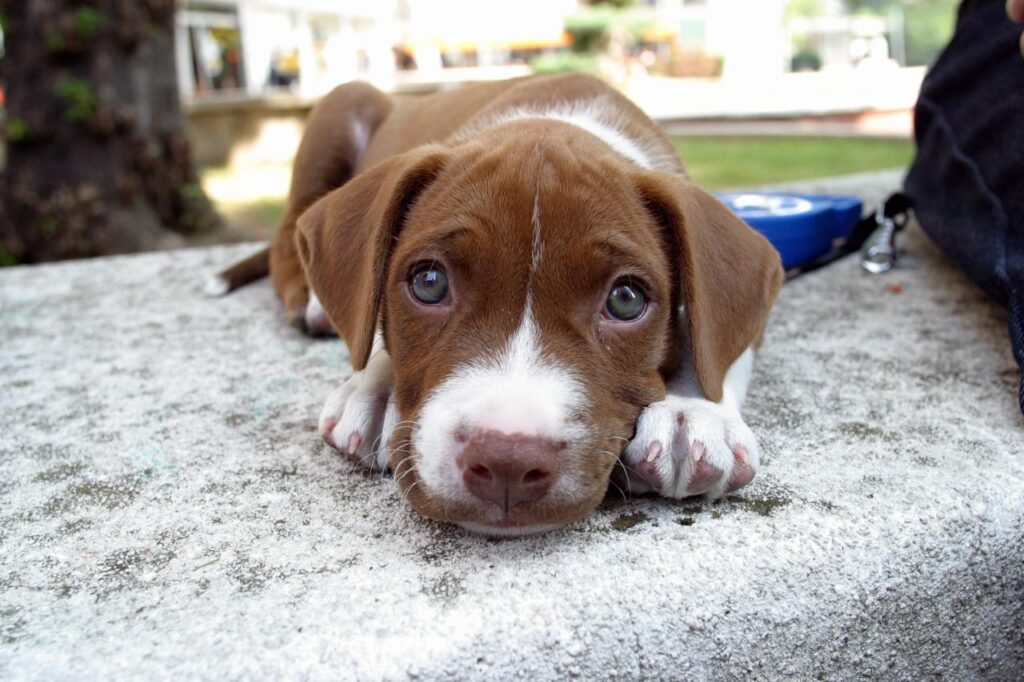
(509, 470)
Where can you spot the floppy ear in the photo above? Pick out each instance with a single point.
(345, 240)
(728, 274)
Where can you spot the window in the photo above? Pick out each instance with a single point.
(214, 50)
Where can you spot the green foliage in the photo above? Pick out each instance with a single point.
(5, 23)
(85, 25)
(562, 62)
(7, 259)
(87, 22)
(188, 221)
(805, 8)
(929, 27)
(805, 59)
(48, 226)
(192, 191)
(55, 41)
(79, 98)
(194, 215)
(17, 130)
(588, 28)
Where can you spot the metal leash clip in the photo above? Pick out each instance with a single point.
(879, 252)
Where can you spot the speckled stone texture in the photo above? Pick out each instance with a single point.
(167, 509)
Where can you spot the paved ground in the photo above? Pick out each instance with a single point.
(167, 510)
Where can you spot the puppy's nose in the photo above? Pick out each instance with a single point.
(509, 469)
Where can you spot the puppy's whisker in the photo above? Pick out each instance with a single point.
(624, 499)
(405, 473)
(398, 450)
(373, 453)
(378, 442)
(408, 491)
(608, 453)
(400, 464)
(629, 484)
(403, 451)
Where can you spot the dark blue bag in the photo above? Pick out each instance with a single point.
(967, 180)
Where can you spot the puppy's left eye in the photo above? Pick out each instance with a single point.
(626, 301)
(429, 284)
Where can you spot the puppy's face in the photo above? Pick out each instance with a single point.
(529, 296)
(527, 312)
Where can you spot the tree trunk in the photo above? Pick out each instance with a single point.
(97, 157)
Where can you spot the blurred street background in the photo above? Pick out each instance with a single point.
(753, 91)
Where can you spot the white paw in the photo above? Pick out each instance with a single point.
(690, 446)
(359, 418)
(315, 317)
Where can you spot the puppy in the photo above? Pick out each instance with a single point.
(532, 294)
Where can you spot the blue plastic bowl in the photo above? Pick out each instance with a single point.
(802, 227)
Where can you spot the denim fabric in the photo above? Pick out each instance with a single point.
(967, 180)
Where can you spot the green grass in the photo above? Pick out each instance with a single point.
(258, 217)
(731, 162)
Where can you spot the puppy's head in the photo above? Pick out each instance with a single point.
(532, 288)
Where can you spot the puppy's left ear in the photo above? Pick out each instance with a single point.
(728, 274)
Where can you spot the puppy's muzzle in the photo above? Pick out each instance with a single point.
(509, 470)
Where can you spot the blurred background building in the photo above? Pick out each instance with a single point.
(252, 48)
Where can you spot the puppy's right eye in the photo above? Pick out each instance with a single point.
(626, 302)
(429, 284)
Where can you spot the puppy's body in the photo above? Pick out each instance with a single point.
(546, 207)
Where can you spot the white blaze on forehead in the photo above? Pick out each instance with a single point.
(596, 116)
(527, 394)
(538, 244)
(590, 121)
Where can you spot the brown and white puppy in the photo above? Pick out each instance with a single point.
(529, 288)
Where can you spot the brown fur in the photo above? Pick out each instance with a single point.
(327, 158)
(435, 184)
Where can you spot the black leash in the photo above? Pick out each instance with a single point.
(874, 236)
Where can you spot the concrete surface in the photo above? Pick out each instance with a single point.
(168, 511)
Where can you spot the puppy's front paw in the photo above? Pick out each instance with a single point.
(304, 311)
(315, 322)
(690, 446)
(358, 419)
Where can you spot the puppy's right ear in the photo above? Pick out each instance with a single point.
(729, 275)
(345, 241)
